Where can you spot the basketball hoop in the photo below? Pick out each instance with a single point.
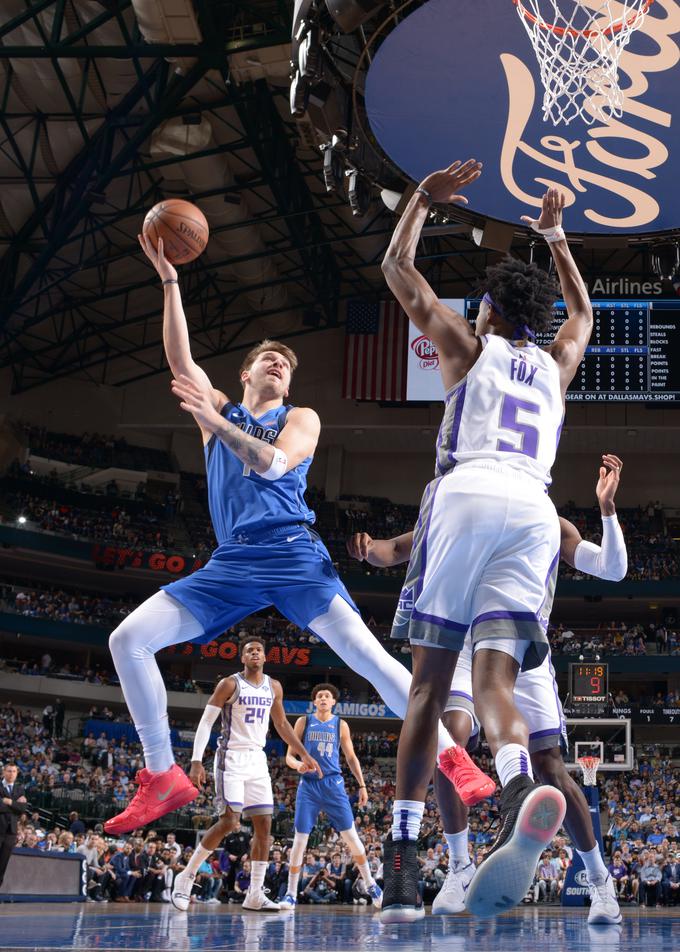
(578, 53)
(589, 767)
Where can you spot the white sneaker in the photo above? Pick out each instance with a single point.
(451, 897)
(604, 906)
(214, 901)
(258, 902)
(181, 891)
(289, 903)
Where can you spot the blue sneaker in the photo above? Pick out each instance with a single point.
(288, 903)
(376, 894)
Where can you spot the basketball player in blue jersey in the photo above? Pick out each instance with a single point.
(538, 701)
(245, 702)
(486, 545)
(324, 735)
(257, 454)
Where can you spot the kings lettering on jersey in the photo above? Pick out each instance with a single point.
(254, 701)
(522, 370)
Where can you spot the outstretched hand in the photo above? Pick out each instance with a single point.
(166, 271)
(445, 185)
(608, 483)
(198, 401)
(551, 211)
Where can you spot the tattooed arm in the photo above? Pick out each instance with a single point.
(297, 440)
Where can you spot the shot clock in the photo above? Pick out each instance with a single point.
(589, 683)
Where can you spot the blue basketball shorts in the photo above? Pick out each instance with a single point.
(289, 568)
(327, 794)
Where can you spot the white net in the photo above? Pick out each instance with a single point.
(578, 49)
(589, 767)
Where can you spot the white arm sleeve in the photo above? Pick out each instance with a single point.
(608, 561)
(210, 715)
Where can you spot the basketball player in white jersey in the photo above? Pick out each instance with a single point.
(245, 702)
(487, 540)
(537, 700)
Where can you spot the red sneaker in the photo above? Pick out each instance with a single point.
(157, 795)
(471, 783)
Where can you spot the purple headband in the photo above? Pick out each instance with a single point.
(520, 329)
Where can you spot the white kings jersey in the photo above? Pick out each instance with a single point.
(507, 409)
(245, 719)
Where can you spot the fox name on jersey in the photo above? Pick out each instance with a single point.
(507, 409)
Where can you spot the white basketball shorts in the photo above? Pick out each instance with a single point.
(535, 696)
(242, 782)
(484, 558)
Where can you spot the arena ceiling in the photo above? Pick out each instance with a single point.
(107, 106)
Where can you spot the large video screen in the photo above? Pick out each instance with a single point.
(633, 355)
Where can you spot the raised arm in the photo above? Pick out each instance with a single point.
(175, 329)
(450, 332)
(610, 560)
(572, 338)
(382, 553)
(347, 748)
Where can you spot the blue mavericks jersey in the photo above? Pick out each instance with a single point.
(240, 501)
(322, 741)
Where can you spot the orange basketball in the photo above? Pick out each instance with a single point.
(181, 225)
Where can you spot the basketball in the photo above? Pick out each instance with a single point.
(181, 225)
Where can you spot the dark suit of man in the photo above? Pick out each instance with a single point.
(670, 889)
(9, 817)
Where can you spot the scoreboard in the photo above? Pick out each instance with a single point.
(589, 683)
(633, 354)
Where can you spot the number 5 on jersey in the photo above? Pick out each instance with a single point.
(528, 442)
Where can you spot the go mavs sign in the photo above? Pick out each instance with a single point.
(458, 79)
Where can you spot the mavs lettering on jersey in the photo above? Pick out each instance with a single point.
(245, 720)
(322, 741)
(240, 501)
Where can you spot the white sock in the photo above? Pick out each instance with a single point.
(511, 761)
(594, 864)
(406, 818)
(365, 871)
(459, 855)
(293, 883)
(258, 868)
(158, 622)
(199, 855)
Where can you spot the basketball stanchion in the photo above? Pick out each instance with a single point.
(575, 891)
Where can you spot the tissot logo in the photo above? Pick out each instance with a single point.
(618, 174)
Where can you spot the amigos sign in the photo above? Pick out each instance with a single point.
(459, 79)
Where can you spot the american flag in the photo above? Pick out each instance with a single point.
(376, 351)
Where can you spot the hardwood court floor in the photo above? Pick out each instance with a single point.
(325, 929)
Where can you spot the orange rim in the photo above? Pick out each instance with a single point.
(562, 30)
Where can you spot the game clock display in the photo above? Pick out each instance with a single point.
(633, 354)
(589, 682)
